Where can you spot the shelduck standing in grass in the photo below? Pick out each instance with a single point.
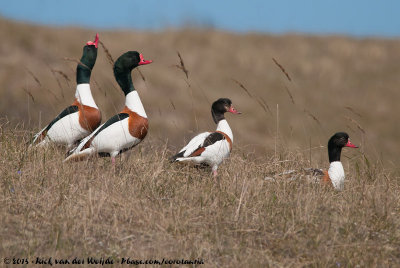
(83, 116)
(124, 130)
(334, 176)
(211, 148)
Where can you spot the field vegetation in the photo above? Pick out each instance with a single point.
(294, 91)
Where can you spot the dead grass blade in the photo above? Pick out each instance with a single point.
(52, 93)
(75, 60)
(172, 103)
(349, 127)
(242, 86)
(313, 117)
(353, 111)
(264, 105)
(34, 77)
(259, 100)
(188, 84)
(108, 54)
(61, 73)
(29, 94)
(182, 65)
(356, 123)
(141, 75)
(242, 194)
(282, 69)
(54, 72)
(290, 94)
(99, 87)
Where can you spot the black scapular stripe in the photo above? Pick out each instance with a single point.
(213, 138)
(69, 110)
(112, 120)
(209, 140)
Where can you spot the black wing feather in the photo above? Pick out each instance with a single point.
(213, 138)
(112, 120)
(69, 110)
(173, 159)
(209, 140)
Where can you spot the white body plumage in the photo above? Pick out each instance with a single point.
(84, 95)
(213, 154)
(68, 130)
(336, 174)
(116, 137)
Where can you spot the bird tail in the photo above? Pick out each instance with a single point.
(79, 156)
(71, 151)
(176, 157)
(38, 137)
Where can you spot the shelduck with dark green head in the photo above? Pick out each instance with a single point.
(334, 176)
(83, 116)
(125, 130)
(211, 148)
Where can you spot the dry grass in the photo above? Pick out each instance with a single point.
(148, 208)
(328, 75)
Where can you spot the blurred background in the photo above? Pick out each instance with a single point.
(298, 70)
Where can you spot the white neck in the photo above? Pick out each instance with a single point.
(132, 101)
(223, 126)
(84, 95)
(336, 174)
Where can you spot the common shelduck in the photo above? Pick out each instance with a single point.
(334, 176)
(124, 130)
(83, 116)
(211, 148)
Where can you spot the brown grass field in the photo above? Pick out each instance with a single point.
(147, 208)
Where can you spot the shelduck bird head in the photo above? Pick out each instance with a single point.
(87, 61)
(123, 67)
(336, 143)
(220, 107)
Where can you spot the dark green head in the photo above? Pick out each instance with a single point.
(220, 107)
(123, 67)
(336, 143)
(89, 56)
